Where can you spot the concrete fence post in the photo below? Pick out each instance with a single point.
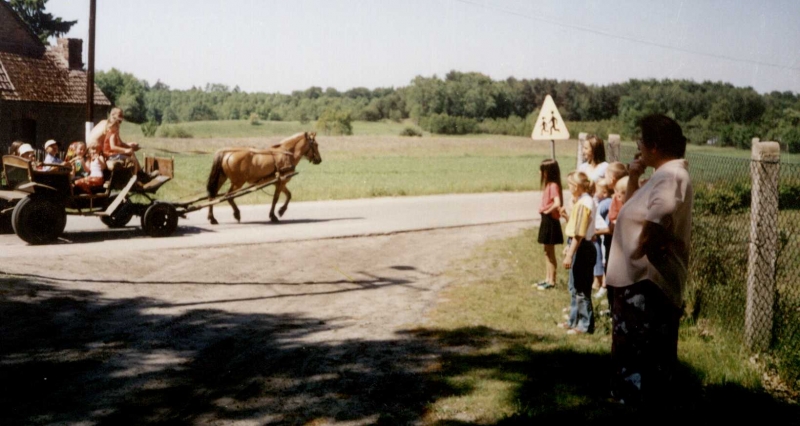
(579, 154)
(764, 168)
(613, 148)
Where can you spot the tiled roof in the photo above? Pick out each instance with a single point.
(5, 83)
(45, 79)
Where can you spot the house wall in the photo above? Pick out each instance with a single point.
(63, 122)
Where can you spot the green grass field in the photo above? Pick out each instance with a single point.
(513, 365)
(376, 162)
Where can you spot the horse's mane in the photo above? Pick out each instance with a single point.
(292, 138)
(270, 150)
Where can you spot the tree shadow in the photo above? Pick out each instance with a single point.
(76, 356)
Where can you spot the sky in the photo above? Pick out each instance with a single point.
(286, 45)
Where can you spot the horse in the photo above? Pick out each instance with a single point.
(254, 166)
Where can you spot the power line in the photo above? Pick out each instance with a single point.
(626, 38)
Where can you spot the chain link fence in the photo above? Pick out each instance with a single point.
(717, 291)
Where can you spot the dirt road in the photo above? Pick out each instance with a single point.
(249, 323)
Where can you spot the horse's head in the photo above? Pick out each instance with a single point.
(312, 150)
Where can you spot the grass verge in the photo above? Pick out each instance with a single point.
(515, 365)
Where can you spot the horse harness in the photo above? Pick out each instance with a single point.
(283, 161)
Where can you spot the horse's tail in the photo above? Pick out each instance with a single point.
(216, 170)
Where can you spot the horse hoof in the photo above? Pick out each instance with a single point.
(238, 218)
(273, 219)
(281, 212)
(214, 221)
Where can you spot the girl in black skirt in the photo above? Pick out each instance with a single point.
(550, 228)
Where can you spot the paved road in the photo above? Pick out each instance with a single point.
(303, 221)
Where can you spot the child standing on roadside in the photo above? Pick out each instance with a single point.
(580, 255)
(550, 227)
(602, 196)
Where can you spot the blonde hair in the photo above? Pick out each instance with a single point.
(108, 120)
(580, 180)
(603, 183)
(617, 170)
(622, 185)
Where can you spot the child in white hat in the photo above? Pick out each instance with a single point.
(51, 148)
(26, 151)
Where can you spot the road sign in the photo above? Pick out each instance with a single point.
(549, 126)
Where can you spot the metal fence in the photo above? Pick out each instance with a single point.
(717, 291)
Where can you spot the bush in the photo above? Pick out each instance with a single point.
(410, 131)
(335, 122)
(714, 200)
(173, 131)
(254, 119)
(512, 126)
(789, 196)
(601, 128)
(149, 128)
(444, 124)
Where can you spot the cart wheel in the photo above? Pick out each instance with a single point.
(160, 220)
(38, 220)
(121, 216)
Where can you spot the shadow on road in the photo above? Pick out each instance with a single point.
(128, 233)
(75, 356)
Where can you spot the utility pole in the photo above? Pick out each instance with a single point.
(90, 73)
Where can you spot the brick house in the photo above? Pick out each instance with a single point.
(42, 88)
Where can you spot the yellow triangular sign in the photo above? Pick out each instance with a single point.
(549, 126)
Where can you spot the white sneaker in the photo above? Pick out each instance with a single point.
(600, 293)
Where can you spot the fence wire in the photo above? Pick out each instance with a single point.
(716, 294)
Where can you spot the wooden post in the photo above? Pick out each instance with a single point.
(581, 140)
(553, 149)
(613, 148)
(90, 73)
(762, 260)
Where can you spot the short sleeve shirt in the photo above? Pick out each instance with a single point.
(595, 174)
(601, 220)
(548, 198)
(666, 199)
(581, 219)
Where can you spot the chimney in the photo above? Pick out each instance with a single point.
(72, 49)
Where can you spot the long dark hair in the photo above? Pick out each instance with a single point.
(550, 173)
(598, 149)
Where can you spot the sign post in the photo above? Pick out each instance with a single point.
(90, 73)
(550, 126)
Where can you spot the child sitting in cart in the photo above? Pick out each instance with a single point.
(76, 157)
(97, 164)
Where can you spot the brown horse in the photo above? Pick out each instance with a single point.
(253, 166)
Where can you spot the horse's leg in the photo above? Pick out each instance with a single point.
(236, 214)
(286, 204)
(211, 217)
(278, 188)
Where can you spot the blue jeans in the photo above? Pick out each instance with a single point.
(581, 275)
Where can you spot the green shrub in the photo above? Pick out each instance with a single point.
(716, 199)
(601, 128)
(334, 121)
(512, 126)
(444, 124)
(410, 131)
(789, 196)
(149, 128)
(174, 131)
(255, 120)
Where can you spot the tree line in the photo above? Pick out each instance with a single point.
(471, 102)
